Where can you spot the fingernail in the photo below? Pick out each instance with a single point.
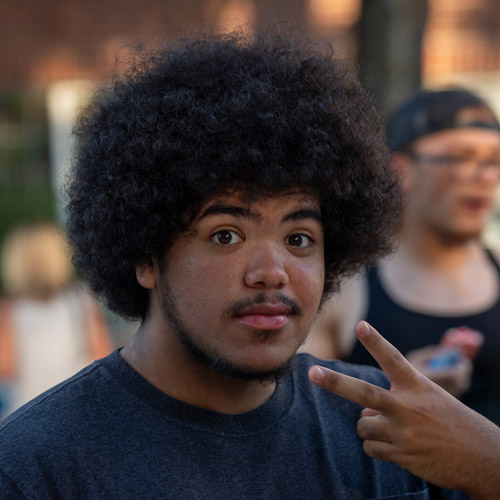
(364, 329)
(317, 374)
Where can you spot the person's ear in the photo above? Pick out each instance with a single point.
(404, 166)
(145, 274)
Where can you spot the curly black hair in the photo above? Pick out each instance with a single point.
(188, 120)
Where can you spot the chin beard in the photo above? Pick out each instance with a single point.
(456, 238)
(229, 370)
(212, 360)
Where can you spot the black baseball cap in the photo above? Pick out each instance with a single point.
(431, 111)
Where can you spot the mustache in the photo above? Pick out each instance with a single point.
(263, 298)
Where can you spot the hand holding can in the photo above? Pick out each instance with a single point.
(467, 340)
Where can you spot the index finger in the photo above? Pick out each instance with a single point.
(358, 391)
(397, 368)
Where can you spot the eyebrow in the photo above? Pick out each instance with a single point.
(303, 213)
(234, 210)
(245, 213)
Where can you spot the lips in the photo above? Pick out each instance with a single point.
(476, 203)
(265, 316)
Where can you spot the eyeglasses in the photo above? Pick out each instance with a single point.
(463, 165)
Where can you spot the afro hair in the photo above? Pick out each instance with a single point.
(193, 118)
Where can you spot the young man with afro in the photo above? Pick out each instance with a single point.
(220, 188)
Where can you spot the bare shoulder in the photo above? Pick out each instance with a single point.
(332, 334)
(496, 254)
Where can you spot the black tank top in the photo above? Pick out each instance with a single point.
(408, 330)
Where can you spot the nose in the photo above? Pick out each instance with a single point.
(266, 267)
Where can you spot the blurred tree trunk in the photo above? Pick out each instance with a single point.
(391, 34)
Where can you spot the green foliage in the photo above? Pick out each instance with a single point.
(21, 204)
(26, 193)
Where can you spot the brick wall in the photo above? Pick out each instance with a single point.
(462, 37)
(46, 40)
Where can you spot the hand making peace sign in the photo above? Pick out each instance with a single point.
(418, 425)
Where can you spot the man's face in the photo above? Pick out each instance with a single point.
(240, 289)
(453, 179)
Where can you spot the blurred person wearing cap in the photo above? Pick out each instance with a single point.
(441, 281)
(49, 328)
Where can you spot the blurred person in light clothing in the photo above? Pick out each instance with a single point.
(49, 327)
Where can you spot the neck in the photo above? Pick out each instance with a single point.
(161, 359)
(434, 250)
(436, 275)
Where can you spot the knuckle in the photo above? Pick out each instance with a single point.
(372, 392)
(366, 430)
(369, 412)
(362, 427)
(367, 392)
(396, 357)
(331, 380)
(408, 437)
(375, 451)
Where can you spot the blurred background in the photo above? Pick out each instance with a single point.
(53, 52)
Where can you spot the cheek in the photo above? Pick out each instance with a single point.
(429, 196)
(205, 283)
(310, 278)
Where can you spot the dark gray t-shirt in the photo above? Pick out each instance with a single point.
(107, 433)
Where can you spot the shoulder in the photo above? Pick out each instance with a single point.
(495, 254)
(336, 410)
(50, 436)
(368, 373)
(52, 416)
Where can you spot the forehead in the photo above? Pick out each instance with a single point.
(460, 138)
(476, 114)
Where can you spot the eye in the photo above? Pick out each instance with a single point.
(299, 240)
(226, 237)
